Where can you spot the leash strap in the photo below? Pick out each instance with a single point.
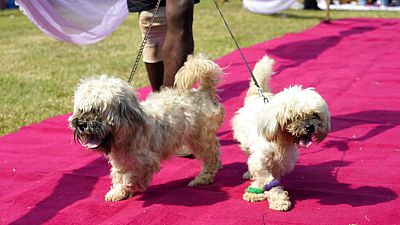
(260, 92)
(146, 36)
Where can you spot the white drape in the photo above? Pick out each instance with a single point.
(267, 6)
(76, 21)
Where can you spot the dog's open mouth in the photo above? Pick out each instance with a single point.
(305, 141)
(90, 143)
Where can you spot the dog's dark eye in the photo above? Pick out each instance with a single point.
(82, 126)
(316, 116)
(74, 122)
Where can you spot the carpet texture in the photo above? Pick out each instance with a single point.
(352, 177)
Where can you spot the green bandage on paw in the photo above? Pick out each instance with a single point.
(254, 190)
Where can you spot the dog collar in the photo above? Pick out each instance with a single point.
(254, 190)
(267, 187)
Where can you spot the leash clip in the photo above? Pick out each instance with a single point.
(260, 92)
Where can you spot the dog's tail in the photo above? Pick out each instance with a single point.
(199, 68)
(262, 72)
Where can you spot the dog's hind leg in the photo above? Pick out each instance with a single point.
(207, 151)
(247, 175)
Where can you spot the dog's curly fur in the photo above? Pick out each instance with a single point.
(270, 133)
(135, 136)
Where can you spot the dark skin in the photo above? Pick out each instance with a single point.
(177, 46)
(155, 72)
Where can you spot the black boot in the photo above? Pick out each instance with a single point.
(311, 4)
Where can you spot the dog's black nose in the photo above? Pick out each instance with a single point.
(82, 126)
(310, 128)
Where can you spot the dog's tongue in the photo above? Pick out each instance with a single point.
(305, 142)
(90, 143)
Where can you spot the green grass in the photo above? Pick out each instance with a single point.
(38, 75)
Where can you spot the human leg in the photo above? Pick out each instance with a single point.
(179, 39)
(155, 73)
(152, 52)
(311, 4)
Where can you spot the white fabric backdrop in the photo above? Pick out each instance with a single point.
(267, 6)
(76, 21)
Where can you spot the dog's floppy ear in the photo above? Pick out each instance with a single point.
(131, 114)
(269, 123)
(325, 124)
(129, 118)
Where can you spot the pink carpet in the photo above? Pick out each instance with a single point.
(350, 178)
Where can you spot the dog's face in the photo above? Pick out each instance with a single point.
(295, 115)
(92, 130)
(105, 110)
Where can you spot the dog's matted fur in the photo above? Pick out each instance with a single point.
(270, 133)
(135, 136)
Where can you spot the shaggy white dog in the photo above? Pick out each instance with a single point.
(135, 136)
(271, 132)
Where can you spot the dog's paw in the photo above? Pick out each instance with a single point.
(281, 205)
(246, 175)
(220, 165)
(202, 179)
(114, 195)
(278, 199)
(253, 197)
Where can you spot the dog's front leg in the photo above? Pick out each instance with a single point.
(121, 186)
(255, 192)
(259, 173)
(278, 199)
(265, 186)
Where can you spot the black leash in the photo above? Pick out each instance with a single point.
(260, 92)
(146, 36)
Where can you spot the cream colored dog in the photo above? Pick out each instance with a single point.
(271, 132)
(135, 136)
